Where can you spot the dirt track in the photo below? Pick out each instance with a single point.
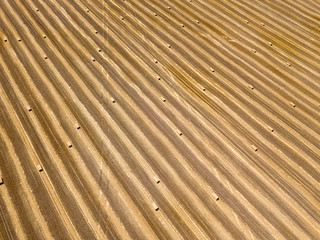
(214, 99)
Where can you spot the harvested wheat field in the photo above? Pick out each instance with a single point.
(159, 119)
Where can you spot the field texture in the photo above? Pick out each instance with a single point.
(159, 119)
